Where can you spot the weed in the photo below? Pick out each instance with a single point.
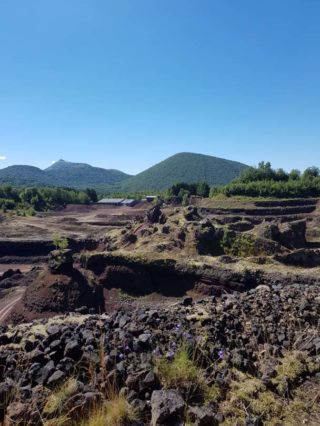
(57, 398)
(289, 369)
(184, 372)
(59, 242)
(116, 412)
(180, 370)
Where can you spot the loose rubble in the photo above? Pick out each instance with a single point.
(248, 353)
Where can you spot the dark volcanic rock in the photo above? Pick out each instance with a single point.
(191, 213)
(56, 378)
(208, 239)
(155, 215)
(73, 350)
(202, 416)
(9, 273)
(167, 408)
(227, 333)
(304, 258)
(61, 261)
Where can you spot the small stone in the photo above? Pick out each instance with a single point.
(56, 378)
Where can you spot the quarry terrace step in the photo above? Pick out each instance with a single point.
(271, 211)
(25, 248)
(287, 203)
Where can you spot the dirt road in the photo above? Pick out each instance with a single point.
(7, 304)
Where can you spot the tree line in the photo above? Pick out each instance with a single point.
(264, 181)
(30, 200)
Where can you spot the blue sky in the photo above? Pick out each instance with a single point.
(126, 83)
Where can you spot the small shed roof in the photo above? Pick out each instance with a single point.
(110, 200)
(128, 201)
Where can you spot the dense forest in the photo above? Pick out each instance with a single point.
(26, 201)
(264, 181)
(183, 167)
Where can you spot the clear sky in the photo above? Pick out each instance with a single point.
(126, 83)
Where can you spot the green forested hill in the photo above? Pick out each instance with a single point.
(62, 173)
(184, 167)
(23, 176)
(80, 175)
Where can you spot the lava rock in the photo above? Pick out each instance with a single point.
(167, 407)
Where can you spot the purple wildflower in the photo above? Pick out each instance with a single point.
(221, 354)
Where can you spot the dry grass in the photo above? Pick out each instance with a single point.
(116, 412)
(248, 394)
(289, 369)
(56, 399)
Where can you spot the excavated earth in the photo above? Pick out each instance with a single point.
(237, 283)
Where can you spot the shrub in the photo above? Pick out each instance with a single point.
(59, 242)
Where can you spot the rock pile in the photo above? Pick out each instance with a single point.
(226, 352)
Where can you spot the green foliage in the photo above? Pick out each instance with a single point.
(182, 188)
(240, 245)
(59, 242)
(182, 369)
(264, 181)
(183, 167)
(92, 194)
(185, 373)
(30, 200)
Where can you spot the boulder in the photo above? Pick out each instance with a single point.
(202, 416)
(167, 407)
(191, 213)
(60, 261)
(293, 234)
(155, 215)
(208, 240)
(73, 350)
